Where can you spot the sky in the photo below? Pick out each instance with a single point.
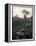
(17, 10)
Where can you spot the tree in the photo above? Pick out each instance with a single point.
(25, 13)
